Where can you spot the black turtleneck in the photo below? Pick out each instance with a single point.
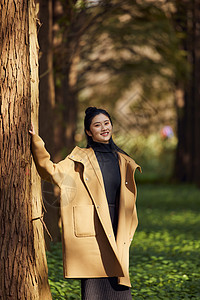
(109, 165)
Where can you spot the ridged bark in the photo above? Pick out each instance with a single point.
(23, 266)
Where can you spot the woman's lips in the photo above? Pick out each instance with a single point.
(105, 133)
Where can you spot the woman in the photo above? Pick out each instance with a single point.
(98, 211)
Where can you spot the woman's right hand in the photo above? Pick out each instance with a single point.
(32, 130)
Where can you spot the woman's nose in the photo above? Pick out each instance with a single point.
(103, 127)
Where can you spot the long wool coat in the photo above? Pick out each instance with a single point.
(90, 249)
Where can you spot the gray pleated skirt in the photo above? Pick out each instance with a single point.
(104, 289)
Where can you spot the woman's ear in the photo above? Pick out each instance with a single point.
(88, 133)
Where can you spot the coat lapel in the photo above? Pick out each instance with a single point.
(93, 179)
(126, 205)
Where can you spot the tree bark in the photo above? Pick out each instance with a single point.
(23, 266)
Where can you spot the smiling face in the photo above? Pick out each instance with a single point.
(100, 129)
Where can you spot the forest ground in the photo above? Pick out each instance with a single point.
(165, 252)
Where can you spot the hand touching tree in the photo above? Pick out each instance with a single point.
(32, 130)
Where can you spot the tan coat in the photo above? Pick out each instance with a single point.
(90, 249)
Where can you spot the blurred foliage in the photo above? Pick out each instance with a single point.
(164, 255)
(134, 42)
(126, 56)
(130, 59)
(153, 153)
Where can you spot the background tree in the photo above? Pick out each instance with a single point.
(187, 22)
(23, 267)
(111, 46)
(71, 19)
(47, 115)
(129, 62)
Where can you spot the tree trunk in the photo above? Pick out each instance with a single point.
(47, 115)
(187, 166)
(69, 95)
(196, 26)
(66, 72)
(23, 266)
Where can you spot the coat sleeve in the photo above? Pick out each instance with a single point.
(48, 170)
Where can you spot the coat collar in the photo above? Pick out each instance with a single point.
(82, 155)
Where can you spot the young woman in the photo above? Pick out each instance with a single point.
(98, 211)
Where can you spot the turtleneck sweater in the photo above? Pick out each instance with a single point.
(107, 288)
(109, 165)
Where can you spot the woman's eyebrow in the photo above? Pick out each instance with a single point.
(101, 122)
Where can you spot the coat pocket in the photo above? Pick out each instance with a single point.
(84, 220)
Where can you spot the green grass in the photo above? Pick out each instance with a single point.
(165, 252)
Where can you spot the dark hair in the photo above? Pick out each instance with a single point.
(90, 113)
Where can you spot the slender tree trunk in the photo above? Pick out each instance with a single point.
(196, 26)
(67, 58)
(187, 167)
(46, 85)
(47, 114)
(69, 94)
(23, 266)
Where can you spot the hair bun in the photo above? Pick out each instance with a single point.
(90, 110)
